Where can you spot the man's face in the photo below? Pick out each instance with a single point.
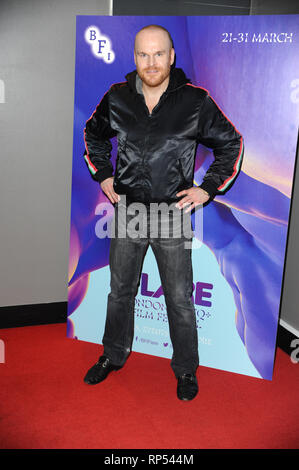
(153, 56)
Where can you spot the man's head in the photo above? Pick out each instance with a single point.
(153, 54)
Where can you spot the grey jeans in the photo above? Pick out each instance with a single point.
(172, 251)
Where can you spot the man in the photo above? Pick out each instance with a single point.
(159, 118)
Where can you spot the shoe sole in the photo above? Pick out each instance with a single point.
(187, 399)
(102, 380)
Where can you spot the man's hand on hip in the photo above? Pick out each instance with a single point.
(193, 197)
(107, 187)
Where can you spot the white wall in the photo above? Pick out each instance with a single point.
(37, 64)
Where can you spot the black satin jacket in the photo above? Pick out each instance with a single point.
(156, 152)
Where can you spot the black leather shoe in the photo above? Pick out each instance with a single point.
(187, 387)
(100, 371)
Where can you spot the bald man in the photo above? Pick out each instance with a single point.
(159, 118)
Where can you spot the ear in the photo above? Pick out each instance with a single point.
(135, 57)
(172, 54)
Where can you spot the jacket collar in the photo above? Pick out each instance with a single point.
(177, 79)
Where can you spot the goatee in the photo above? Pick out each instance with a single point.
(153, 76)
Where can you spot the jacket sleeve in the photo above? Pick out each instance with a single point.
(218, 133)
(97, 135)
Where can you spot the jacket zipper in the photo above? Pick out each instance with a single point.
(149, 115)
(162, 97)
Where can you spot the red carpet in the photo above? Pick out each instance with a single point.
(45, 404)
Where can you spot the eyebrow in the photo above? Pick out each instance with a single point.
(157, 52)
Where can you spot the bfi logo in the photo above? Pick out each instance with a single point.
(100, 44)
